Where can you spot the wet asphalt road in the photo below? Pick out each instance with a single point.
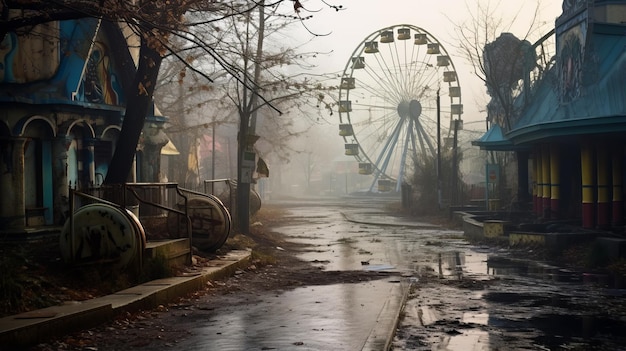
(352, 234)
(459, 297)
(355, 316)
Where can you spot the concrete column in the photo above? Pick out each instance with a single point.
(60, 147)
(586, 166)
(603, 178)
(555, 180)
(618, 197)
(89, 162)
(150, 163)
(12, 200)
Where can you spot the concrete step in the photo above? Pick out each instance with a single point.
(176, 252)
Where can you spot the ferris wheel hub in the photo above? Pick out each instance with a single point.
(411, 109)
(415, 108)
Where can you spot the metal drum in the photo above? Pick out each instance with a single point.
(210, 222)
(102, 234)
(227, 195)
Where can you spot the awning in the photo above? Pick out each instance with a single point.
(495, 140)
(169, 149)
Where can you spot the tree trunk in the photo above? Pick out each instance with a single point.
(138, 103)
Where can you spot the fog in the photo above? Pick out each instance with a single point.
(315, 163)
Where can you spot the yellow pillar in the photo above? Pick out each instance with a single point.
(555, 180)
(539, 208)
(603, 178)
(535, 178)
(618, 198)
(586, 166)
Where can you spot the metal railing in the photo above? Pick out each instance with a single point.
(126, 197)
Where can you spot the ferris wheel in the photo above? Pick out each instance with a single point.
(388, 97)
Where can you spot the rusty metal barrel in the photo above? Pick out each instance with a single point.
(102, 234)
(228, 197)
(210, 222)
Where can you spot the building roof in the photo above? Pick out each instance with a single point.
(600, 107)
(494, 140)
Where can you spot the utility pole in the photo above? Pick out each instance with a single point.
(455, 166)
(247, 136)
(438, 151)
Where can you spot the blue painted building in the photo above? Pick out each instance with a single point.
(62, 102)
(570, 133)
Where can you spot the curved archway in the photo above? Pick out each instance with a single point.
(38, 172)
(22, 125)
(81, 123)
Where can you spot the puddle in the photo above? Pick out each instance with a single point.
(379, 267)
(525, 305)
(501, 266)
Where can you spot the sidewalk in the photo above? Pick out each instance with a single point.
(32, 327)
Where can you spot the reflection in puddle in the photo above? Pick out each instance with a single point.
(471, 339)
(524, 268)
(457, 264)
(476, 318)
(378, 267)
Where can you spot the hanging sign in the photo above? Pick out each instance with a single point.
(493, 173)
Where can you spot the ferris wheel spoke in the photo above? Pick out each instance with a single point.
(380, 85)
(391, 79)
(413, 76)
(400, 76)
(374, 137)
(426, 82)
(403, 72)
(372, 118)
(375, 92)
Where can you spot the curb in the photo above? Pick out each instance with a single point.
(30, 328)
(381, 336)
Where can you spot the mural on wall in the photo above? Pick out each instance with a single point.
(99, 81)
(571, 54)
(36, 56)
(31, 56)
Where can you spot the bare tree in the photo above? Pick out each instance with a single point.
(253, 70)
(505, 63)
(499, 58)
